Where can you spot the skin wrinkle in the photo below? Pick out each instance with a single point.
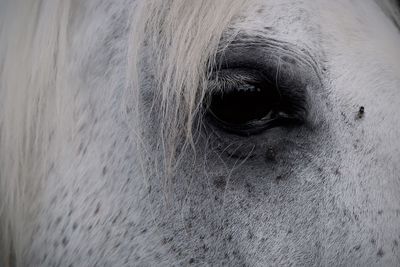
(322, 194)
(247, 51)
(277, 48)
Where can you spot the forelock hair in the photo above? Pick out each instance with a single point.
(32, 71)
(182, 39)
(392, 9)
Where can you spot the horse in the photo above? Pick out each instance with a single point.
(205, 133)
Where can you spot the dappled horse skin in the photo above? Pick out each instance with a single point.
(205, 133)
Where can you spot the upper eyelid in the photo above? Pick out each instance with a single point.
(302, 77)
(289, 82)
(235, 77)
(255, 51)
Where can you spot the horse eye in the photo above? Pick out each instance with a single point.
(247, 105)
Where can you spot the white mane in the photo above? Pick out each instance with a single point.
(183, 37)
(32, 37)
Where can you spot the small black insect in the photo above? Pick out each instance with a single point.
(361, 112)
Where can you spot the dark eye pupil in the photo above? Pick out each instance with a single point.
(244, 104)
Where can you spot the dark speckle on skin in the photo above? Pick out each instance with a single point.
(82, 127)
(380, 253)
(80, 148)
(229, 238)
(166, 240)
(357, 247)
(191, 261)
(64, 241)
(96, 211)
(157, 257)
(250, 235)
(104, 171)
(380, 212)
(372, 241)
(57, 222)
(249, 187)
(219, 182)
(270, 155)
(279, 178)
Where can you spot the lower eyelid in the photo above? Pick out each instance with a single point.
(252, 147)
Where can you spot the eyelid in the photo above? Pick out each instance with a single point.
(254, 50)
(258, 127)
(226, 78)
(294, 69)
